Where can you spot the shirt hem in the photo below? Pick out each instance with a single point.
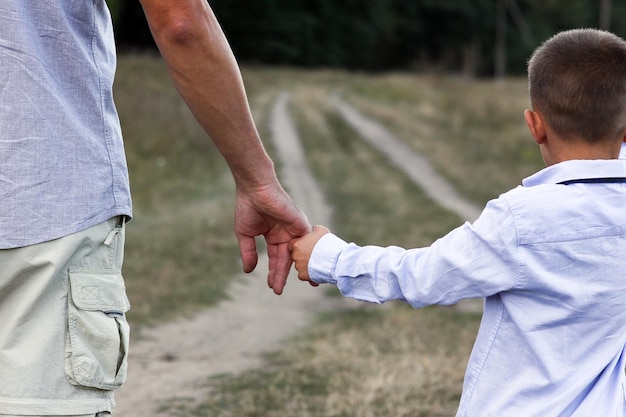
(69, 230)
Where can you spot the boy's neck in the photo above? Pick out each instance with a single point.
(558, 150)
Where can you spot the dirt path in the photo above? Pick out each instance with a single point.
(172, 361)
(414, 165)
(417, 168)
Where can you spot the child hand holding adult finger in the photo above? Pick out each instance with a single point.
(301, 249)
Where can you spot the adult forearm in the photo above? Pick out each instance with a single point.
(208, 78)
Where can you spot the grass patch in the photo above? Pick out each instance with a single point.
(472, 131)
(365, 362)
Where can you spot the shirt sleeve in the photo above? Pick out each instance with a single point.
(474, 260)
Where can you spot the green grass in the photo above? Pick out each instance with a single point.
(370, 361)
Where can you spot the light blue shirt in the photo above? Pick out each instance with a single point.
(551, 261)
(63, 165)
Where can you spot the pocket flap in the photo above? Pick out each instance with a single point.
(96, 291)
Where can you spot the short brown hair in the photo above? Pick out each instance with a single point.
(577, 80)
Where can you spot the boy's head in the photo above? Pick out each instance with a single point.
(577, 81)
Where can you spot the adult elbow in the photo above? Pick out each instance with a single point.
(178, 31)
(177, 25)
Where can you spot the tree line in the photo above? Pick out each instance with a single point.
(474, 37)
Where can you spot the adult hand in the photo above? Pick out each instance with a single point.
(207, 76)
(301, 250)
(270, 212)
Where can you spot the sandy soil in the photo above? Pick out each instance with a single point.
(173, 360)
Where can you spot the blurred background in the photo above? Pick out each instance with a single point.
(476, 37)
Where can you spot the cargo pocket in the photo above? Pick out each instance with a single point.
(98, 331)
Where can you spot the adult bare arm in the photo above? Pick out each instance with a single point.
(206, 74)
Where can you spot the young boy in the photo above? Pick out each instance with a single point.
(549, 256)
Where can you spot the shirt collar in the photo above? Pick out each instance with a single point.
(577, 169)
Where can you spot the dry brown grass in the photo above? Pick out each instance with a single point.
(369, 362)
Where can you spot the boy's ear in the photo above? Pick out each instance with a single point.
(536, 126)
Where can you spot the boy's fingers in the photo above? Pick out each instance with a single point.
(301, 248)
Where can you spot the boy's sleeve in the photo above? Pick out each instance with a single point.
(324, 257)
(473, 261)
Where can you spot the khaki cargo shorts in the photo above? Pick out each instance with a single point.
(64, 335)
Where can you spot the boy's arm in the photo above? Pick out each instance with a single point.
(207, 76)
(472, 261)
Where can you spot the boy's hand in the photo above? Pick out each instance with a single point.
(301, 249)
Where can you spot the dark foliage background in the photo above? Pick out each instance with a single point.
(372, 35)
